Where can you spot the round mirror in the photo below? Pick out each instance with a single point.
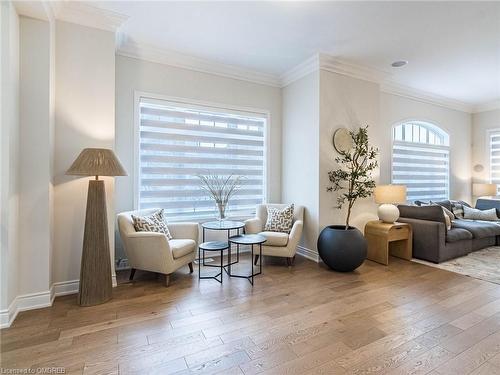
(342, 140)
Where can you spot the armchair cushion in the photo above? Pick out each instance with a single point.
(181, 248)
(279, 220)
(275, 238)
(153, 222)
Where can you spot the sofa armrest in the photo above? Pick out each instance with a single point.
(429, 237)
(295, 235)
(147, 251)
(253, 226)
(184, 231)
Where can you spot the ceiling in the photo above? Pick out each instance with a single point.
(453, 48)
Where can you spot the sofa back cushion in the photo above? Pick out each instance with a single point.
(430, 213)
(485, 204)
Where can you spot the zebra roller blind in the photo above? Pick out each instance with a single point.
(420, 160)
(495, 157)
(178, 141)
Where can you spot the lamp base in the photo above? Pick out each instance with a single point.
(388, 213)
(95, 272)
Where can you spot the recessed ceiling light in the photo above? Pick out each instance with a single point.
(399, 63)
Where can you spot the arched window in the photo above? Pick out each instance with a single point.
(420, 160)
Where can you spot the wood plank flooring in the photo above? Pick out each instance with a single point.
(406, 318)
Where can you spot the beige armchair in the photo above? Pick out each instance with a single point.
(277, 244)
(151, 251)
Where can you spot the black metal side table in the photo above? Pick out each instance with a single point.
(247, 239)
(212, 246)
(225, 225)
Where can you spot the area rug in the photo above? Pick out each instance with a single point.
(483, 264)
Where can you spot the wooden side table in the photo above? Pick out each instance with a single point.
(384, 239)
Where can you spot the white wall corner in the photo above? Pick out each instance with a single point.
(304, 68)
(308, 253)
(147, 52)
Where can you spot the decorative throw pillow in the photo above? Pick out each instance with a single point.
(279, 220)
(448, 215)
(154, 222)
(475, 214)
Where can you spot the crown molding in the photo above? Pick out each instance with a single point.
(424, 97)
(304, 68)
(363, 72)
(484, 107)
(77, 12)
(88, 15)
(151, 53)
(35, 9)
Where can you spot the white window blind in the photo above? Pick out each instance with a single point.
(420, 160)
(179, 141)
(495, 157)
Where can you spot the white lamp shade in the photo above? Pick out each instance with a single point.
(484, 190)
(390, 194)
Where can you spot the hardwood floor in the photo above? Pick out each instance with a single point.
(406, 318)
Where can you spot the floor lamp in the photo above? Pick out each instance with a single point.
(95, 271)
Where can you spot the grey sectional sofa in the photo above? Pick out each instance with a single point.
(433, 242)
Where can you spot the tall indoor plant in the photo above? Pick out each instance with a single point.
(343, 247)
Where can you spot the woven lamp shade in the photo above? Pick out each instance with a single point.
(96, 162)
(390, 194)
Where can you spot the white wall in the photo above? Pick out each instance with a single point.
(133, 74)
(301, 139)
(9, 163)
(481, 123)
(35, 158)
(458, 125)
(345, 102)
(85, 117)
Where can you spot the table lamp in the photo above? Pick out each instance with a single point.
(484, 190)
(387, 196)
(95, 271)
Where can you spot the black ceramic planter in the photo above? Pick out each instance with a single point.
(342, 249)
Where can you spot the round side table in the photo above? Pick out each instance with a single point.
(212, 246)
(247, 239)
(226, 225)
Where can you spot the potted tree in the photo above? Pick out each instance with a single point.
(343, 247)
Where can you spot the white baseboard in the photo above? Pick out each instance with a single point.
(23, 303)
(39, 300)
(308, 253)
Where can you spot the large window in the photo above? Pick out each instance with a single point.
(495, 157)
(177, 141)
(420, 160)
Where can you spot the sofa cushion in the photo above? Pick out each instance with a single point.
(484, 204)
(431, 213)
(476, 214)
(275, 238)
(458, 234)
(181, 248)
(479, 229)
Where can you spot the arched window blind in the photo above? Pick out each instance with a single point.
(420, 160)
(178, 141)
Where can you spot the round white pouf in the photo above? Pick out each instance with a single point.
(388, 213)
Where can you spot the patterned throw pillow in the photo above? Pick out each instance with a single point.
(154, 222)
(279, 220)
(457, 207)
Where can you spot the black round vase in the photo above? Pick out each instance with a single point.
(342, 249)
